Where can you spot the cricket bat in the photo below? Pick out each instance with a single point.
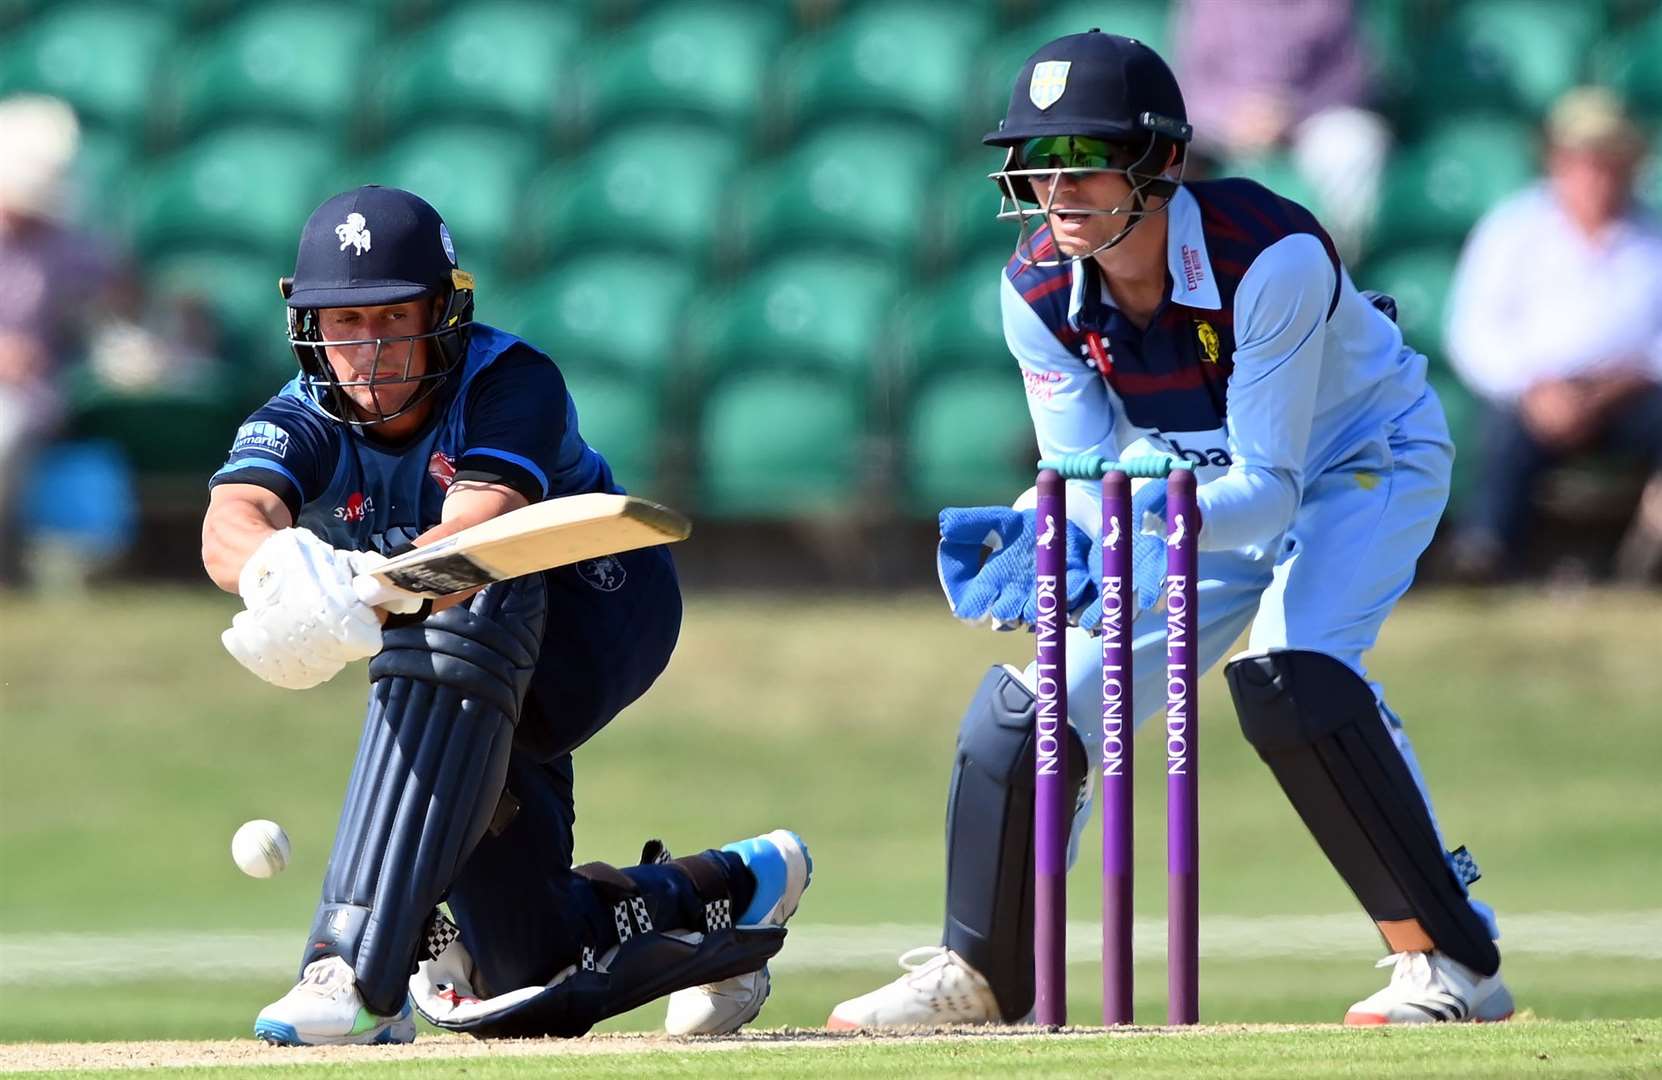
(533, 538)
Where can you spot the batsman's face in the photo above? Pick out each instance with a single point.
(379, 375)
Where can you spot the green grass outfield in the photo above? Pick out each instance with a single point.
(132, 747)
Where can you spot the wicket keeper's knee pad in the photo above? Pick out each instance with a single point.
(989, 837)
(444, 697)
(1316, 724)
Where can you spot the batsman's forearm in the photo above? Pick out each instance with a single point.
(231, 530)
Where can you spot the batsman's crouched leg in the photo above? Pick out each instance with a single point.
(445, 695)
(989, 838)
(1318, 727)
(642, 932)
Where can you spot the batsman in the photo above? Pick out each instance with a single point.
(1213, 321)
(408, 422)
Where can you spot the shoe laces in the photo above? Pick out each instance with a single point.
(921, 957)
(327, 978)
(1411, 967)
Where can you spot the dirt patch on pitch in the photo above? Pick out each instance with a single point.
(47, 1057)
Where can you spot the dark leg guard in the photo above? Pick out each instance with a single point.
(1317, 726)
(445, 695)
(989, 838)
(647, 931)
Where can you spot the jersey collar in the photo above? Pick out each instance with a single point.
(1192, 282)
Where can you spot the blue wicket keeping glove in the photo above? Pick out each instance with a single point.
(1002, 590)
(1148, 555)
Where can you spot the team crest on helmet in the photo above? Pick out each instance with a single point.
(1208, 338)
(354, 231)
(1050, 78)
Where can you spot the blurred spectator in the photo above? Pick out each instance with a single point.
(1555, 322)
(1259, 75)
(51, 277)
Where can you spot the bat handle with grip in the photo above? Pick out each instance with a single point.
(376, 591)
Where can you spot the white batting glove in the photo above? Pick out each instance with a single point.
(272, 656)
(302, 590)
(378, 593)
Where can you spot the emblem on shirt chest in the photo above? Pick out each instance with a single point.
(442, 469)
(1207, 338)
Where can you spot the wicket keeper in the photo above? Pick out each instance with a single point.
(407, 422)
(1211, 320)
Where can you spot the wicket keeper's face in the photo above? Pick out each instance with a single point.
(379, 376)
(1083, 189)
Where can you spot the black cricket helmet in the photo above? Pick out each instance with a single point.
(1084, 104)
(364, 248)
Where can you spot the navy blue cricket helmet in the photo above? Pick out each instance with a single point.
(365, 248)
(1090, 103)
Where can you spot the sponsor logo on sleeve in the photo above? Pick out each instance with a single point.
(1041, 385)
(261, 436)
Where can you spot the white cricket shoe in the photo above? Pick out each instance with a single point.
(1430, 988)
(939, 987)
(325, 1009)
(783, 868)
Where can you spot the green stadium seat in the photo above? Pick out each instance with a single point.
(702, 58)
(958, 325)
(811, 310)
(1277, 172)
(861, 186)
(472, 176)
(1504, 54)
(1632, 65)
(911, 59)
(1438, 187)
(1649, 184)
(608, 313)
(244, 188)
(499, 60)
(102, 58)
(968, 212)
(780, 444)
(240, 290)
(102, 184)
(621, 422)
(621, 191)
(297, 62)
(1419, 279)
(969, 442)
(162, 432)
(1145, 20)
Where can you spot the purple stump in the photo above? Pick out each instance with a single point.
(1116, 749)
(1182, 744)
(1052, 795)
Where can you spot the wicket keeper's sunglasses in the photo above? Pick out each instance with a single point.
(1075, 152)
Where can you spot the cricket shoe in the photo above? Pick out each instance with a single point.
(325, 1009)
(939, 987)
(1430, 988)
(783, 868)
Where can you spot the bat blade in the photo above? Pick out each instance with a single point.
(533, 538)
